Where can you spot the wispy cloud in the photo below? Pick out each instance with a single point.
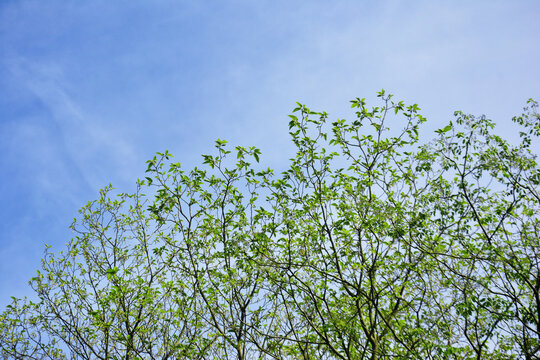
(78, 139)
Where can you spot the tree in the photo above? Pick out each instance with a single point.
(371, 245)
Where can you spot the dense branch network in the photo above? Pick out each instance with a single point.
(371, 245)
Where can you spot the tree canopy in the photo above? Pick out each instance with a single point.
(372, 244)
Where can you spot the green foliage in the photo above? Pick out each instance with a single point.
(371, 245)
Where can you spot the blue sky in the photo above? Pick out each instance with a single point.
(91, 90)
